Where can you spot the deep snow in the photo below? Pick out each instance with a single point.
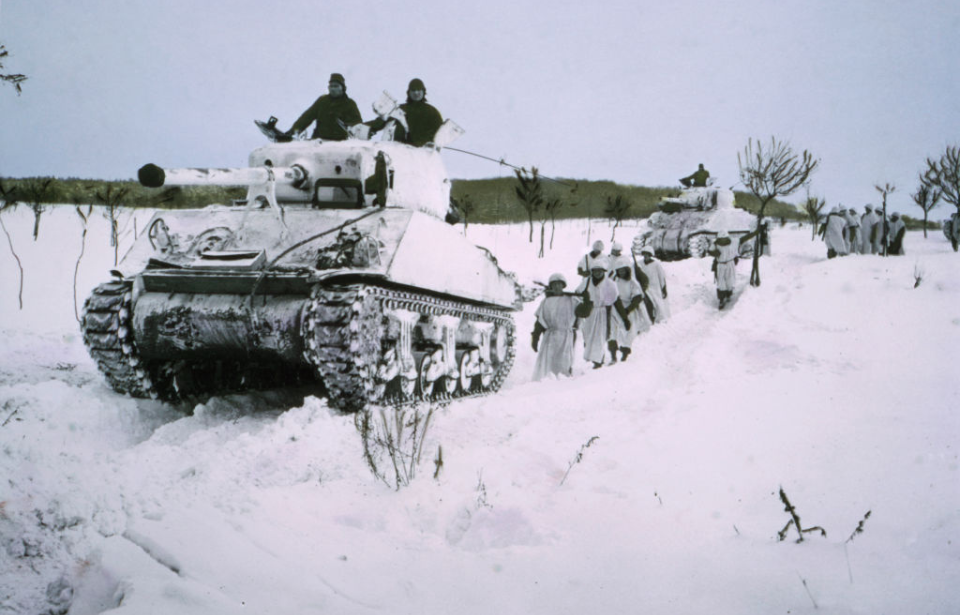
(835, 380)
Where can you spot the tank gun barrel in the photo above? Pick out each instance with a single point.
(153, 176)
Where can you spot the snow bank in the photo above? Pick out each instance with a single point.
(835, 380)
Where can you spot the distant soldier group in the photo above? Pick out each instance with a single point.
(617, 299)
(845, 232)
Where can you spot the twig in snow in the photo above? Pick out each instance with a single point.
(12, 414)
(917, 274)
(482, 492)
(859, 529)
(804, 581)
(795, 520)
(579, 456)
(438, 462)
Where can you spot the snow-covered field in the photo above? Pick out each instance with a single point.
(835, 380)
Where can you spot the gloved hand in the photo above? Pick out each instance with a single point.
(664, 293)
(535, 336)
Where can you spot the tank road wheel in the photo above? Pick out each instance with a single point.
(108, 336)
(469, 369)
(699, 246)
(408, 386)
(424, 385)
(352, 336)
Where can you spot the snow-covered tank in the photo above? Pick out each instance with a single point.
(339, 269)
(687, 225)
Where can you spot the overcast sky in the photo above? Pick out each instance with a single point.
(632, 91)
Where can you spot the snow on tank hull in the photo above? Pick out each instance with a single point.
(382, 305)
(687, 225)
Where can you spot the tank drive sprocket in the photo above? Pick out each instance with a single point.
(107, 333)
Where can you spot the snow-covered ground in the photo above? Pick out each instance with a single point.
(835, 380)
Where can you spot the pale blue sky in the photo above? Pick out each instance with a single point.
(636, 92)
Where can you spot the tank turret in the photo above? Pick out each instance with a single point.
(327, 274)
(686, 225)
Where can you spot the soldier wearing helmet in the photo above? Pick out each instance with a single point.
(554, 331)
(422, 119)
(333, 113)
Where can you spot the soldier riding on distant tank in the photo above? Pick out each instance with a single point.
(339, 269)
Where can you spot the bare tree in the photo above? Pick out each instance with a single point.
(111, 197)
(926, 197)
(84, 215)
(37, 191)
(8, 201)
(770, 172)
(812, 206)
(944, 175)
(617, 208)
(551, 208)
(15, 78)
(465, 207)
(884, 190)
(530, 193)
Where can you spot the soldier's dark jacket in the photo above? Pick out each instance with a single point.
(325, 111)
(422, 118)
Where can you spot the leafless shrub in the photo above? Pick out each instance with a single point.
(393, 441)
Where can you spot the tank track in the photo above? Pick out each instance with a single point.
(343, 328)
(108, 337)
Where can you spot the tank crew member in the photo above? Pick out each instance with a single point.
(599, 295)
(332, 112)
(585, 264)
(895, 232)
(650, 271)
(697, 179)
(423, 119)
(832, 233)
(726, 255)
(554, 331)
(629, 315)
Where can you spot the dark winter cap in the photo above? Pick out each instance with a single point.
(416, 84)
(338, 78)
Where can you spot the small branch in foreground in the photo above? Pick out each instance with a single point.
(579, 456)
(859, 529)
(804, 581)
(795, 520)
